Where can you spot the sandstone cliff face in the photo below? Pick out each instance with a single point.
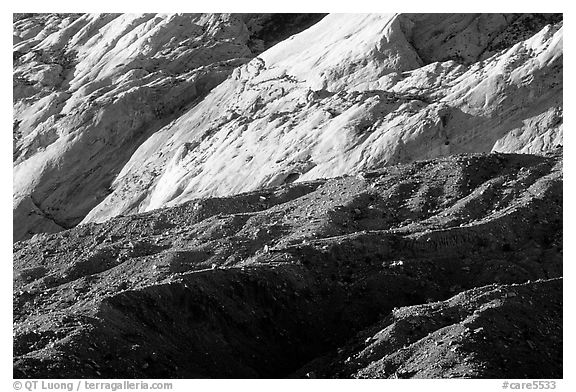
(132, 130)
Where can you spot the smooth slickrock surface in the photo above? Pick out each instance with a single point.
(303, 280)
(111, 115)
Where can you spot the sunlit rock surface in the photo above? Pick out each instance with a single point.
(89, 89)
(122, 114)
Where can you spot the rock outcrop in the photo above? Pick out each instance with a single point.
(311, 279)
(117, 114)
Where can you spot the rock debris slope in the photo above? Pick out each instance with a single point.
(89, 89)
(439, 268)
(476, 333)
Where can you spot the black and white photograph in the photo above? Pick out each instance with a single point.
(287, 196)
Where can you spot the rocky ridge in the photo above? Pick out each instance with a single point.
(440, 268)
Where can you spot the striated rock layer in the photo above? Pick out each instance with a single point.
(312, 279)
(118, 114)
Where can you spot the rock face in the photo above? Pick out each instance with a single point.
(441, 268)
(89, 89)
(117, 114)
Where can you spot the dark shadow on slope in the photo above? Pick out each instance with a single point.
(268, 30)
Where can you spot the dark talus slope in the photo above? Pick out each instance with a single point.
(261, 284)
(494, 331)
